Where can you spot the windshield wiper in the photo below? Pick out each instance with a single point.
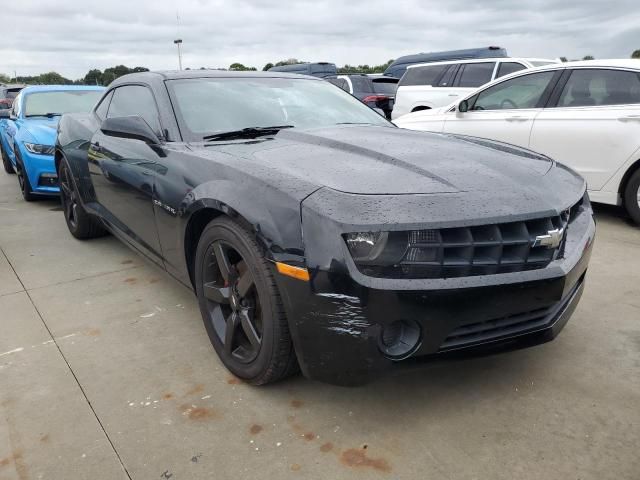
(48, 115)
(249, 132)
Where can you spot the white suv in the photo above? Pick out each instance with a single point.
(432, 85)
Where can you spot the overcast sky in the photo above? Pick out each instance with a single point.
(74, 36)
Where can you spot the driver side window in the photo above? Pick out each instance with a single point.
(517, 93)
(131, 100)
(15, 108)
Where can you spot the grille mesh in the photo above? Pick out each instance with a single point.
(478, 250)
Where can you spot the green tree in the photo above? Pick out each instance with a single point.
(564, 59)
(364, 68)
(108, 77)
(267, 66)
(53, 78)
(4, 78)
(636, 54)
(93, 77)
(289, 61)
(588, 57)
(238, 67)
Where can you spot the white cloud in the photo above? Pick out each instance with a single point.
(74, 36)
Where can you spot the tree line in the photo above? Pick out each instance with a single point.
(93, 77)
(99, 77)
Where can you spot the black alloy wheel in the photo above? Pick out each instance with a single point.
(234, 307)
(240, 304)
(81, 224)
(68, 198)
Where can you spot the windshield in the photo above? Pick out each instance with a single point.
(76, 101)
(206, 106)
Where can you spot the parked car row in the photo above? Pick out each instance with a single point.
(432, 85)
(379, 91)
(376, 91)
(585, 115)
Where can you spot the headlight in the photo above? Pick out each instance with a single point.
(377, 248)
(39, 149)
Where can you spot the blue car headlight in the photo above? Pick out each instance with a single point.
(39, 149)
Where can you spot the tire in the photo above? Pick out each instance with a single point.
(6, 163)
(23, 180)
(81, 224)
(632, 197)
(241, 306)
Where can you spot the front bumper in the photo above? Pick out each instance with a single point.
(337, 319)
(41, 171)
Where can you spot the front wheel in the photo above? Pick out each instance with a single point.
(23, 180)
(241, 306)
(81, 224)
(6, 163)
(632, 197)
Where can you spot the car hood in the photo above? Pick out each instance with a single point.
(42, 130)
(380, 160)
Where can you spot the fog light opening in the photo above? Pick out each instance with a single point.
(400, 339)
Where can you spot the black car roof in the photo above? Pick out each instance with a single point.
(180, 74)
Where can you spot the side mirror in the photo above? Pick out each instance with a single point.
(5, 113)
(463, 106)
(134, 128)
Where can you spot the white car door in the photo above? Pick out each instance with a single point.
(595, 126)
(504, 111)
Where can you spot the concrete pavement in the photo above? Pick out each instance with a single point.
(106, 373)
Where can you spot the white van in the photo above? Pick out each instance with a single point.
(436, 84)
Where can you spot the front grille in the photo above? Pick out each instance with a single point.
(477, 250)
(507, 326)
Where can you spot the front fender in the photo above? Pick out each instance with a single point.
(271, 214)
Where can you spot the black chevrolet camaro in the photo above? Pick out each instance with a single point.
(315, 234)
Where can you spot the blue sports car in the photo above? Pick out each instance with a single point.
(28, 133)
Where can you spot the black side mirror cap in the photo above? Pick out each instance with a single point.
(463, 106)
(133, 127)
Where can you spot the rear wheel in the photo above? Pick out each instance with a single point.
(241, 306)
(23, 179)
(6, 163)
(81, 224)
(632, 197)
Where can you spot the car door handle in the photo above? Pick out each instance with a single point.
(630, 118)
(454, 95)
(516, 119)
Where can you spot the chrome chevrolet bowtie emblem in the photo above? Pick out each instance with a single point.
(551, 239)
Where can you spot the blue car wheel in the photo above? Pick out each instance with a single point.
(23, 179)
(5, 161)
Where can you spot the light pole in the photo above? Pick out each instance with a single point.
(178, 42)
